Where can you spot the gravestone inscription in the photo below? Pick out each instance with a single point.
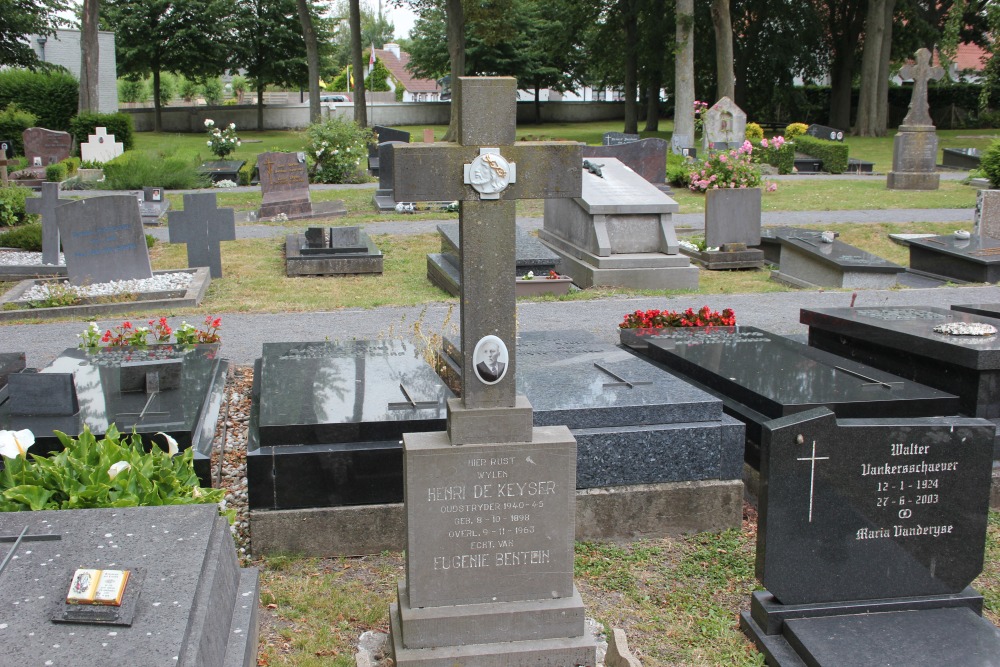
(284, 184)
(203, 226)
(619, 138)
(44, 147)
(103, 240)
(865, 516)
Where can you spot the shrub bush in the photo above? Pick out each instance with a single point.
(782, 157)
(137, 169)
(246, 171)
(56, 173)
(132, 90)
(12, 210)
(118, 124)
(188, 89)
(336, 148)
(213, 90)
(754, 132)
(13, 122)
(727, 169)
(832, 153)
(24, 237)
(52, 96)
(795, 130)
(989, 162)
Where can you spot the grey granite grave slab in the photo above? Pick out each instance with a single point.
(196, 605)
(103, 240)
(902, 341)
(870, 531)
(202, 226)
(11, 308)
(358, 255)
(808, 261)
(732, 216)
(729, 362)
(188, 414)
(960, 158)
(618, 232)
(529, 255)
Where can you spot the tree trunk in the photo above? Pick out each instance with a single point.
(840, 91)
(538, 102)
(360, 109)
(456, 54)
(157, 121)
(89, 56)
(722, 21)
(312, 58)
(684, 71)
(631, 68)
(260, 105)
(882, 105)
(657, 53)
(870, 69)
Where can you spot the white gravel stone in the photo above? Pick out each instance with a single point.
(24, 258)
(158, 283)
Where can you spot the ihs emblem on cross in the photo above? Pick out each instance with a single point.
(490, 174)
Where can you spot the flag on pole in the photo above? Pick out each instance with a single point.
(350, 78)
(371, 60)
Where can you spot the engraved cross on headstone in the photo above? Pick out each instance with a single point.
(812, 474)
(202, 226)
(920, 72)
(487, 172)
(45, 206)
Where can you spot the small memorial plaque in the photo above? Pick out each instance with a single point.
(104, 587)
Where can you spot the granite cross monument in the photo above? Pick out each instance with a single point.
(45, 206)
(202, 226)
(491, 522)
(914, 149)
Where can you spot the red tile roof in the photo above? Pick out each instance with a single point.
(398, 68)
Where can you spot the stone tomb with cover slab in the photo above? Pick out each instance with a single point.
(443, 268)
(729, 363)
(187, 601)
(807, 260)
(322, 251)
(972, 259)
(869, 534)
(166, 388)
(619, 232)
(646, 157)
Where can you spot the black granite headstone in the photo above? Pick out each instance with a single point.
(975, 259)
(618, 138)
(10, 362)
(865, 516)
(35, 394)
(824, 132)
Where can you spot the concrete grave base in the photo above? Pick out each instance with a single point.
(833, 278)
(716, 260)
(299, 264)
(634, 270)
(624, 512)
(303, 210)
(565, 651)
(901, 180)
(192, 296)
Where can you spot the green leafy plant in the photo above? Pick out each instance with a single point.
(655, 318)
(56, 173)
(378, 80)
(239, 84)
(727, 169)
(832, 153)
(25, 237)
(12, 208)
(114, 471)
(246, 171)
(132, 91)
(699, 116)
(136, 169)
(989, 162)
(13, 122)
(754, 132)
(222, 142)
(57, 295)
(212, 89)
(188, 89)
(336, 148)
(158, 331)
(52, 95)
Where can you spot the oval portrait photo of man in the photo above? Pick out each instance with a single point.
(490, 358)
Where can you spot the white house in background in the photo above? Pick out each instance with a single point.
(63, 48)
(414, 89)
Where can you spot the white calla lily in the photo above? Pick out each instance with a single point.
(16, 443)
(116, 468)
(171, 443)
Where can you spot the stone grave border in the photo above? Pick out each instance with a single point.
(192, 296)
(10, 272)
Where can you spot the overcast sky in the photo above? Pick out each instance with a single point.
(402, 19)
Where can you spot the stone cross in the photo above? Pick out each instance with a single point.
(3, 167)
(812, 475)
(46, 207)
(487, 172)
(919, 113)
(201, 225)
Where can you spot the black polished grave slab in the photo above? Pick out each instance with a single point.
(761, 376)
(222, 170)
(10, 362)
(980, 309)
(529, 255)
(188, 414)
(869, 533)
(327, 419)
(634, 423)
(807, 261)
(975, 259)
(901, 340)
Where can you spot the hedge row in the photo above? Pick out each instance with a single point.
(783, 158)
(51, 96)
(832, 153)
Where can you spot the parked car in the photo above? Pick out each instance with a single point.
(329, 97)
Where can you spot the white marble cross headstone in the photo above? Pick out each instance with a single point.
(101, 146)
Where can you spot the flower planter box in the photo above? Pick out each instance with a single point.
(540, 286)
(90, 175)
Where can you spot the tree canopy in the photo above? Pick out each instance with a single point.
(21, 18)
